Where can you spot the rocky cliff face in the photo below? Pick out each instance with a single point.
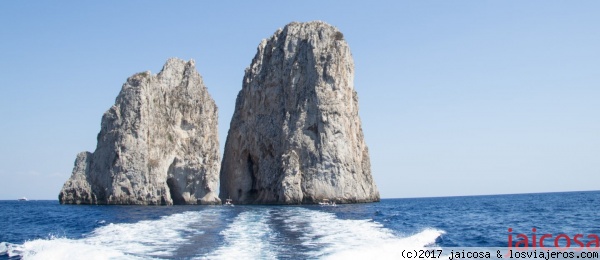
(295, 136)
(158, 144)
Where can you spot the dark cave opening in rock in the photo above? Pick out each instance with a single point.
(175, 192)
(252, 170)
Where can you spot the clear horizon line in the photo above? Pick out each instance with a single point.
(492, 194)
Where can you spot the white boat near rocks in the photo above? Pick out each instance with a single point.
(327, 202)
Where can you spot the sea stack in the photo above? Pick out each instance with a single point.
(296, 136)
(158, 144)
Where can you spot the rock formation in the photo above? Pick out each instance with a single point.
(295, 136)
(158, 144)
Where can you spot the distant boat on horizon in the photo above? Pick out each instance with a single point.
(23, 199)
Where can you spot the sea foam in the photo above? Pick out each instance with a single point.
(247, 237)
(144, 239)
(334, 238)
(248, 233)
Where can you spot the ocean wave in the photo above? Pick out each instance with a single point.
(244, 233)
(144, 239)
(334, 238)
(248, 236)
(320, 235)
(62, 248)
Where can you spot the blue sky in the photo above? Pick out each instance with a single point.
(456, 97)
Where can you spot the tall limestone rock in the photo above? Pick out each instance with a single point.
(295, 136)
(158, 144)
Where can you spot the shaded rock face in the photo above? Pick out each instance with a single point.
(158, 144)
(295, 136)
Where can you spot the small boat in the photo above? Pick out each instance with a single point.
(23, 199)
(327, 202)
(228, 202)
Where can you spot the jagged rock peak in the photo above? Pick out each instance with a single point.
(158, 144)
(296, 136)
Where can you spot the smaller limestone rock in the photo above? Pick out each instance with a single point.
(158, 145)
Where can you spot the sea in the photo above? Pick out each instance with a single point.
(48, 230)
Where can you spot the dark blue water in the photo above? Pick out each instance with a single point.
(45, 229)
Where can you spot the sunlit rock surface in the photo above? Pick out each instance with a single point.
(158, 144)
(295, 136)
